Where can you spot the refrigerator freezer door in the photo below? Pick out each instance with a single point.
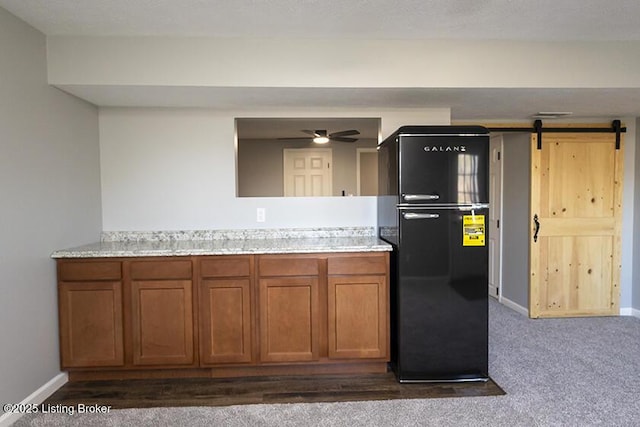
(440, 297)
(443, 170)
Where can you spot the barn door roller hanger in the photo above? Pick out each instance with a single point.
(537, 128)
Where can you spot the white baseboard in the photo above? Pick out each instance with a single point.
(36, 398)
(630, 311)
(514, 306)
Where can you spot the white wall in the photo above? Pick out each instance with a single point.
(261, 165)
(50, 198)
(516, 160)
(174, 169)
(636, 225)
(211, 62)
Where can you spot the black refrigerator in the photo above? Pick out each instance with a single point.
(433, 209)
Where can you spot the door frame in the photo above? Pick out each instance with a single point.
(499, 229)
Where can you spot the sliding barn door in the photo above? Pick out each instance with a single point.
(576, 198)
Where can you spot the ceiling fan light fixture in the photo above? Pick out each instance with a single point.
(320, 139)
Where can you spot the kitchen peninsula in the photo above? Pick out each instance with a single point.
(224, 303)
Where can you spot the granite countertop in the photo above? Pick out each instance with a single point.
(132, 245)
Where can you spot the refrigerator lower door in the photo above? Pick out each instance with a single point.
(440, 296)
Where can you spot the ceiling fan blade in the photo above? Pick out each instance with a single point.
(344, 133)
(343, 139)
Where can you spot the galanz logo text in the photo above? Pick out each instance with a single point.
(441, 148)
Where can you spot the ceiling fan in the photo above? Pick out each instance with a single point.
(320, 136)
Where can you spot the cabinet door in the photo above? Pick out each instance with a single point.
(225, 321)
(162, 322)
(289, 319)
(91, 324)
(357, 314)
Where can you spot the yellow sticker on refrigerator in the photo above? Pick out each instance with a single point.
(473, 230)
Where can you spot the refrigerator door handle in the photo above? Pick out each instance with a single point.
(415, 197)
(413, 215)
(473, 207)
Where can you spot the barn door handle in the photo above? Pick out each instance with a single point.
(535, 233)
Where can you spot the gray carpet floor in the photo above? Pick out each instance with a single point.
(556, 372)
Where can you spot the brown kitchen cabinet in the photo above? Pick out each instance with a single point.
(289, 308)
(161, 312)
(90, 314)
(357, 317)
(226, 309)
(289, 319)
(357, 307)
(224, 315)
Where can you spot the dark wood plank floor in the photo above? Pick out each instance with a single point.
(238, 391)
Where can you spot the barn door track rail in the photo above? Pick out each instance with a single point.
(538, 129)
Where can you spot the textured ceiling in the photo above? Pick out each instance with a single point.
(543, 20)
(398, 19)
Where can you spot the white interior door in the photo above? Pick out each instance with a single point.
(307, 172)
(495, 213)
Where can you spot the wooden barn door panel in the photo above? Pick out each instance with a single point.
(576, 193)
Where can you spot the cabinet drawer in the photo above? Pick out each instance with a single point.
(75, 271)
(365, 264)
(161, 269)
(225, 267)
(288, 266)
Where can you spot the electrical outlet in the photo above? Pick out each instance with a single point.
(261, 215)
